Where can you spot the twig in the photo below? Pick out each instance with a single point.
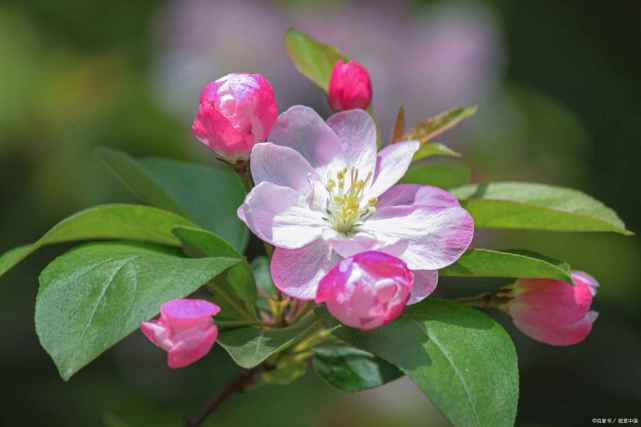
(240, 384)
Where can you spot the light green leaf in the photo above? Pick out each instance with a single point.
(434, 149)
(313, 59)
(285, 374)
(521, 205)
(264, 282)
(12, 257)
(250, 346)
(436, 125)
(93, 296)
(462, 360)
(263, 277)
(350, 369)
(117, 221)
(208, 195)
(512, 263)
(235, 291)
(200, 243)
(447, 174)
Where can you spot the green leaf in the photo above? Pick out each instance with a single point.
(313, 59)
(350, 369)
(434, 149)
(263, 277)
(436, 125)
(459, 357)
(92, 297)
(208, 195)
(285, 374)
(235, 291)
(200, 243)
(117, 221)
(250, 346)
(448, 174)
(521, 205)
(511, 263)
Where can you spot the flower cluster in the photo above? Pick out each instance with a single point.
(344, 232)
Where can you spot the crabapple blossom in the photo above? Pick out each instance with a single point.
(367, 290)
(235, 112)
(185, 330)
(336, 197)
(553, 311)
(349, 86)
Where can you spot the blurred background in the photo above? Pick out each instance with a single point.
(559, 90)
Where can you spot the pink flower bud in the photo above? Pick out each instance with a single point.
(236, 112)
(349, 86)
(552, 311)
(185, 330)
(366, 290)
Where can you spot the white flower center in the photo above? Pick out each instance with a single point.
(345, 210)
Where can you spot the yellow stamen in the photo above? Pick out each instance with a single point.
(344, 207)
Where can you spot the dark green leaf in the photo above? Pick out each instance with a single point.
(459, 357)
(448, 174)
(438, 124)
(512, 263)
(252, 345)
(93, 296)
(117, 221)
(235, 291)
(208, 195)
(351, 369)
(313, 59)
(521, 205)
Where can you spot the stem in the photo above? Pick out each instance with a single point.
(306, 308)
(242, 169)
(484, 300)
(239, 385)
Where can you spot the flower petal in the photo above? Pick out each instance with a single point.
(550, 303)
(367, 290)
(425, 282)
(217, 132)
(435, 237)
(265, 201)
(391, 165)
(297, 226)
(415, 194)
(187, 312)
(582, 277)
(280, 165)
(357, 132)
(297, 272)
(157, 332)
(193, 347)
(570, 334)
(302, 129)
(347, 246)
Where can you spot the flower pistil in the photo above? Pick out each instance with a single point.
(344, 208)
